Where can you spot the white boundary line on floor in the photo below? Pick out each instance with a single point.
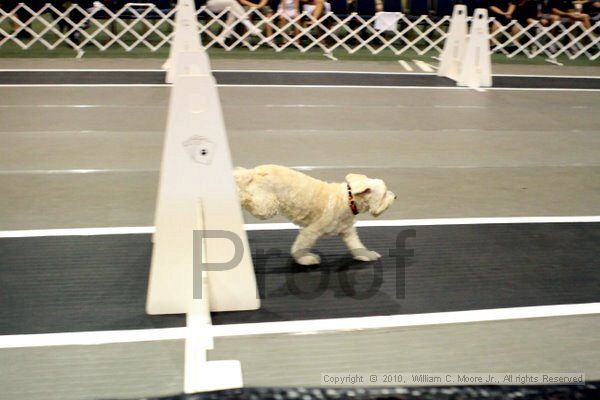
(124, 230)
(428, 68)
(87, 85)
(298, 327)
(74, 171)
(441, 221)
(405, 87)
(405, 65)
(277, 71)
(79, 70)
(288, 226)
(303, 87)
(266, 71)
(549, 76)
(119, 106)
(541, 89)
(91, 337)
(299, 168)
(395, 321)
(397, 73)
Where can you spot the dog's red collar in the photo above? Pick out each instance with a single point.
(351, 201)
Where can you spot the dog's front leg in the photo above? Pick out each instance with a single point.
(356, 247)
(301, 248)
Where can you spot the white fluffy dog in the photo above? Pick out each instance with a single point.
(320, 208)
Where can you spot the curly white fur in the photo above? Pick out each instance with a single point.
(318, 207)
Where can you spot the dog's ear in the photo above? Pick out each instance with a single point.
(358, 183)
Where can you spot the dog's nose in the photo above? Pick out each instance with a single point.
(395, 197)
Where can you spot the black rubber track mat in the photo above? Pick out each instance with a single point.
(82, 283)
(109, 77)
(588, 391)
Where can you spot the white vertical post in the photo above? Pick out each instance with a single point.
(186, 37)
(476, 70)
(455, 44)
(196, 167)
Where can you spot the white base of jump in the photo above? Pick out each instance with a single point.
(201, 375)
(216, 375)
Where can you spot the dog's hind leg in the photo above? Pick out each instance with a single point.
(301, 248)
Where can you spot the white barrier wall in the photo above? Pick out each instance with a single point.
(197, 190)
(476, 69)
(455, 44)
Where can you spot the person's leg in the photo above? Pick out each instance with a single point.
(263, 16)
(282, 22)
(291, 15)
(515, 29)
(236, 9)
(78, 23)
(583, 18)
(549, 20)
(499, 21)
(216, 6)
(493, 28)
(318, 10)
(296, 26)
(269, 26)
(239, 13)
(236, 12)
(286, 18)
(529, 25)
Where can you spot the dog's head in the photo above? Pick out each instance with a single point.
(371, 193)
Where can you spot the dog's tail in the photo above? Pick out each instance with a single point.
(243, 176)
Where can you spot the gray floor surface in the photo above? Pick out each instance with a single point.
(129, 370)
(81, 157)
(89, 157)
(281, 64)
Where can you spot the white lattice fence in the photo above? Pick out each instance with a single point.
(143, 25)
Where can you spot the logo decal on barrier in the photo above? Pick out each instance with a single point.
(200, 149)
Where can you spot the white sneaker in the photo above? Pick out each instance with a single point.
(96, 6)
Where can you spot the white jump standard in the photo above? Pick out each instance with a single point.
(197, 193)
(466, 59)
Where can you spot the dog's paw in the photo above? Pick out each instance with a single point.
(309, 259)
(365, 255)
